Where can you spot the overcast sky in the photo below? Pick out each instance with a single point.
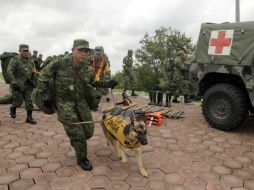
(50, 26)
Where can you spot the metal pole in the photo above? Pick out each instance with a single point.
(237, 11)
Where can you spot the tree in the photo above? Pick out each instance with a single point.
(154, 50)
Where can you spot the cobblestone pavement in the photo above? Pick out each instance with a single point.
(182, 154)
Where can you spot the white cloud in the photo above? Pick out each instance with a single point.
(118, 25)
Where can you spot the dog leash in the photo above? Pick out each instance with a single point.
(84, 122)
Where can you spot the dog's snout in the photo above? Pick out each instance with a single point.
(144, 142)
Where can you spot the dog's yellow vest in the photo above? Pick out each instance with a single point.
(115, 126)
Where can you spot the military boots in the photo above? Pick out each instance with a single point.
(168, 100)
(29, 118)
(154, 97)
(85, 165)
(151, 98)
(175, 99)
(13, 112)
(159, 98)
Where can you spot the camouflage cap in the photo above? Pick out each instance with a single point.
(130, 51)
(35, 51)
(23, 47)
(98, 49)
(80, 43)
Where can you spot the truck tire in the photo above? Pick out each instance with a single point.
(224, 106)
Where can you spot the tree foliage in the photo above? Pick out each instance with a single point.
(154, 49)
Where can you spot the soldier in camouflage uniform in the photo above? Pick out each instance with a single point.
(21, 72)
(72, 77)
(175, 79)
(35, 60)
(129, 78)
(5, 60)
(102, 68)
(181, 77)
(40, 61)
(46, 62)
(166, 81)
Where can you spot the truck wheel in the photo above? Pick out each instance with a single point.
(224, 106)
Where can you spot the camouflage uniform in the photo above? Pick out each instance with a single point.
(5, 60)
(46, 62)
(39, 62)
(179, 77)
(35, 60)
(72, 103)
(129, 78)
(20, 72)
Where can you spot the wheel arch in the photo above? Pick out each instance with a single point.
(215, 78)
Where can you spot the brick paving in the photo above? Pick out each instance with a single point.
(184, 154)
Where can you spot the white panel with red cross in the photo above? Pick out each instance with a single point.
(220, 42)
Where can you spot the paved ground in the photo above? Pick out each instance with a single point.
(182, 154)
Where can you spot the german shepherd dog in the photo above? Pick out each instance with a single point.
(135, 134)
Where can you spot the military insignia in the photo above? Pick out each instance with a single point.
(71, 87)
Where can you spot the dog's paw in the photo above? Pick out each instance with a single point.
(144, 173)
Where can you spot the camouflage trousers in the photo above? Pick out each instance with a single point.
(20, 96)
(130, 82)
(79, 134)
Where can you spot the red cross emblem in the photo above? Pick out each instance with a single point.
(220, 42)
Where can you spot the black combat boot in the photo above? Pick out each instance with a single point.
(160, 98)
(187, 99)
(107, 99)
(175, 99)
(150, 98)
(29, 118)
(154, 97)
(85, 164)
(168, 100)
(133, 93)
(13, 112)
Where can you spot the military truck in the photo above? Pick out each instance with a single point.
(224, 66)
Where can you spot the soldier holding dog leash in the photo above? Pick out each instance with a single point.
(73, 85)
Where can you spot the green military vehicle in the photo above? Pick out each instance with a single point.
(224, 67)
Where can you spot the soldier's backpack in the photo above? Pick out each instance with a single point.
(5, 60)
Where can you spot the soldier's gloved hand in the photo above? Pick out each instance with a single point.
(113, 84)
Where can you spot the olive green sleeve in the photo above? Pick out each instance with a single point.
(10, 70)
